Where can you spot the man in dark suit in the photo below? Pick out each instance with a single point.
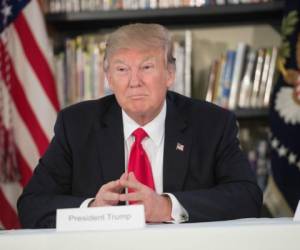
(197, 170)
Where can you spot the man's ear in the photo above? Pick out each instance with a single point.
(108, 78)
(171, 75)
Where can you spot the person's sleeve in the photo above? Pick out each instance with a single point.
(86, 203)
(235, 193)
(50, 187)
(179, 213)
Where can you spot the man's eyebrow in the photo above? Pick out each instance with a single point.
(123, 62)
(148, 58)
(118, 61)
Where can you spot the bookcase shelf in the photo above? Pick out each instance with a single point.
(252, 113)
(74, 23)
(207, 15)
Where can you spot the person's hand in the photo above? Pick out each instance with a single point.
(157, 207)
(108, 194)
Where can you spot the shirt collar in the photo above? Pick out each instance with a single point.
(155, 129)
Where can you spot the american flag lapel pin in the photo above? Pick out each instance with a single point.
(179, 147)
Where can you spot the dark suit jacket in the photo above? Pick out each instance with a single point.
(210, 177)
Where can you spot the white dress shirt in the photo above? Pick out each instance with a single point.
(154, 147)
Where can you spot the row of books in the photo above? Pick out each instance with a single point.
(182, 52)
(54, 6)
(259, 159)
(254, 142)
(242, 78)
(79, 68)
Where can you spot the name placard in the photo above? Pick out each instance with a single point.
(100, 218)
(297, 213)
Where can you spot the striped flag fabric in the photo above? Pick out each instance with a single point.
(28, 100)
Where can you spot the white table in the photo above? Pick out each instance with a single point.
(273, 234)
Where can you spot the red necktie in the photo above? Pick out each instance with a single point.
(139, 163)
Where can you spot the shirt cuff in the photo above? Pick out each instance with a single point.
(86, 203)
(179, 214)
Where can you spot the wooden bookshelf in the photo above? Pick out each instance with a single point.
(74, 23)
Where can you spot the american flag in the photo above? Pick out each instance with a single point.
(28, 99)
(283, 191)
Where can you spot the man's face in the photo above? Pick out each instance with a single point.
(139, 80)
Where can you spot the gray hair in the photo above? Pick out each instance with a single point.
(140, 35)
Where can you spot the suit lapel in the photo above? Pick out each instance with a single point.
(111, 143)
(176, 149)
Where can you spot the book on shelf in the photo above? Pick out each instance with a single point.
(238, 70)
(218, 88)
(216, 71)
(245, 82)
(257, 76)
(220, 2)
(56, 6)
(70, 70)
(80, 73)
(225, 80)
(182, 49)
(264, 78)
(60, 75)
(188, 63)
(233, 1)
(178, 53)
(271, 74)
(212, 81)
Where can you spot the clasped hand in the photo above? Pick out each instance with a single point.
(157, 207)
